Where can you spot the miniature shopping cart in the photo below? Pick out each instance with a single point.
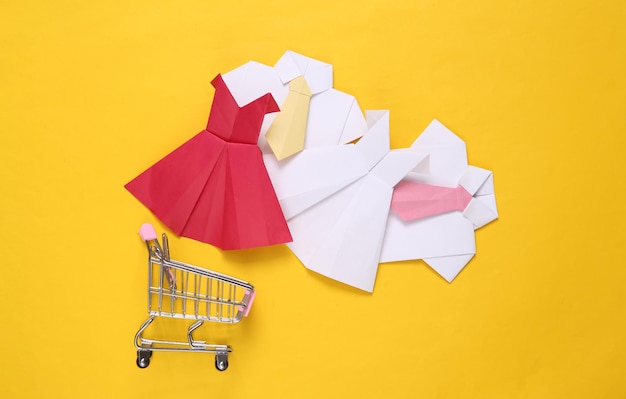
(182, 291)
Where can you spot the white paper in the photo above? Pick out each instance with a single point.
(445, 242)
(341, 236)
(334, 117)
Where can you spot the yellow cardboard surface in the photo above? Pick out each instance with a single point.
(92, 93)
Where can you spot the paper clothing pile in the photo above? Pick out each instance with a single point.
(321, 178)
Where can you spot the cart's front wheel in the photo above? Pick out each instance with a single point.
(221, 361)
(143, 358)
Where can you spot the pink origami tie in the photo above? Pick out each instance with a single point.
(413, 200)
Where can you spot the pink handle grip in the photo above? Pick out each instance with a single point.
(250, 301)
(147, 232)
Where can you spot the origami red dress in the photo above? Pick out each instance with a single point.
(214, 188)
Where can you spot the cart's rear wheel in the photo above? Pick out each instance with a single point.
(143, 358)
(221, 361)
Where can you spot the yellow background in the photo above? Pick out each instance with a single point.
(93, 92)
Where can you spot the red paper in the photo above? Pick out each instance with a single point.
(214, 188)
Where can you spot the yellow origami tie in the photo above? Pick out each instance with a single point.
(286, 134)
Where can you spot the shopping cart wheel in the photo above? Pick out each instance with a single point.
(143, 358)
(221, 361)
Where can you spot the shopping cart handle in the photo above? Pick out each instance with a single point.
(246, 312)
(147, 232)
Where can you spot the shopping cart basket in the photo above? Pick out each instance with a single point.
(182, 291)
